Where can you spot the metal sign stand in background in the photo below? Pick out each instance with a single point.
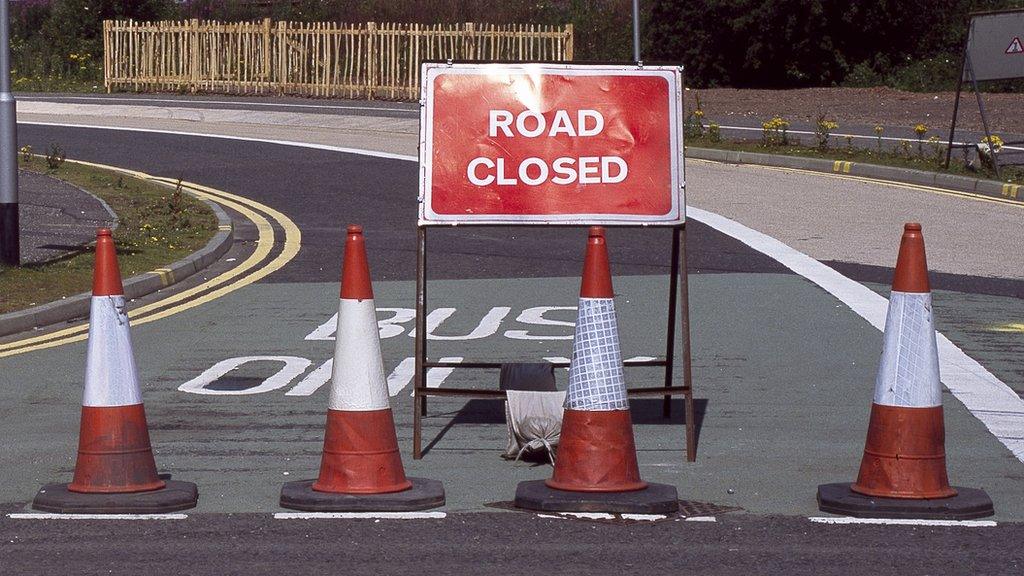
(678, 304)
(986, 57)
(10, 251)
(969, 71)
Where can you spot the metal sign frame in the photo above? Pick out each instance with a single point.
(967, 72)
(678, 296)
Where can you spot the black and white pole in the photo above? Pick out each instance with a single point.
(9, 244)
(636, 30)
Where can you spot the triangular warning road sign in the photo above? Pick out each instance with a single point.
(1015, 47)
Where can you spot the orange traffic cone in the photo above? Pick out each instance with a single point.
(596, 468)
(361, 468)
(903, 472)
(115, 471)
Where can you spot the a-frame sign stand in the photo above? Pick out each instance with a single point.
(992, 51)
(480, 119)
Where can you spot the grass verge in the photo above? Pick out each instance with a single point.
(157, 226)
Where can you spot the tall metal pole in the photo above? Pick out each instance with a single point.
(636, 30)
(9, 243)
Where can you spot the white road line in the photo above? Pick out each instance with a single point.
(589, 515)
(648, 517)
(987, 397)
(359, 515)
(903, 521)
(50, 516)
(326, 147)
(990, 400)
(700, 519)
(861, 136)
(191, 103)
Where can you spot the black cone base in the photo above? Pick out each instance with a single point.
(423, 495)
(173, 497)
(968, 503)
(655, 499)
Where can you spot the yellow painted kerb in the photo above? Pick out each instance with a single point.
(842, 166)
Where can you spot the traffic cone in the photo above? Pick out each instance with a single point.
(361, 468)
(115, 471)
(903, 471)
(596, 468)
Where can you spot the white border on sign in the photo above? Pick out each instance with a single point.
(672, 74)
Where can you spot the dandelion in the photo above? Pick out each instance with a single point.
(824, 130)
(774, 131)
(993, 141)
(714, 132)
(920, 129)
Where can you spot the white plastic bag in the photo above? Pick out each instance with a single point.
(534, 422)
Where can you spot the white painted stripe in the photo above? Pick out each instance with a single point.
(648, 517)
(589, 515)
(401, 376)
(908, 374)
(902, 521)
(187, 104)
(990, 400)
(327, 147)
(111, 378)
(50, 516)
(857, 136)
(358, 515)
(555, 516)
(701, 519)
(358, 382)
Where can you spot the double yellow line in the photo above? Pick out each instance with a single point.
(246, 273)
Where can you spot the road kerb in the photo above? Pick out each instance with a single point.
(77, 306)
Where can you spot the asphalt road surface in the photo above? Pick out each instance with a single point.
(783, 370)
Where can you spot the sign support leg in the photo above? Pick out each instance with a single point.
(956, 107)
(670, 332)
(684, 307)
(419, 401)
(984, 117)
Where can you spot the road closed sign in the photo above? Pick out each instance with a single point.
(995, 46)
(551, 143)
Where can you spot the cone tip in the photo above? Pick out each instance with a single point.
(911, 274)
(106, 279)
(355, 271)
(597, 280)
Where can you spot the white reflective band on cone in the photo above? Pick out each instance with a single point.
(358, 377)
(110, 375)
(596, 381)
(908, 375)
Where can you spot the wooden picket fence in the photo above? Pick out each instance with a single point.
(371, 60)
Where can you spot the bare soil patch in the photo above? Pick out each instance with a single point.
(864, 106)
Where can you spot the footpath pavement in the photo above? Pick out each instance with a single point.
(57, 218)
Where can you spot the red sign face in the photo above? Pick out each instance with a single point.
(551, 143)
